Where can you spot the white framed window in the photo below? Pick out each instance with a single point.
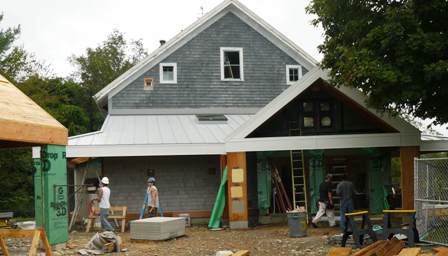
(168, 73)
(148, 83)
(293, 73)
(232, 64)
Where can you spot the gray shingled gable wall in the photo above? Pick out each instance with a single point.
(199, 82)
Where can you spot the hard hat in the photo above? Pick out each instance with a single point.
(105, 180)
(151, 180)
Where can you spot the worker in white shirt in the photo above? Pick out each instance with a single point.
(104, 204)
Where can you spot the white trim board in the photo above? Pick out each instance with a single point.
(323, 142)
(296, 89)
(145, 150)
(194, 29)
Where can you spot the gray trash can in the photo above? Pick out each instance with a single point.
(297, 224)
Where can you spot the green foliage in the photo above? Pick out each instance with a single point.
(63, 99)
(396, 52)
(16, 181)
(101, 65)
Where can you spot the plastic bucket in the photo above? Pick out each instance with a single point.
(297, 224)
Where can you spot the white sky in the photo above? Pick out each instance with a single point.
(56, 29)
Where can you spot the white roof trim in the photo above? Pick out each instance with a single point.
(184, 36)
(145, 150)
(323, 142)
(296, 89)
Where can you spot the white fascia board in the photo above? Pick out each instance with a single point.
(434, 146)
(322, 142)
(145, 150)
(194, 29)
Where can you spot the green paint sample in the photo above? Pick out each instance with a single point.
(50, 193)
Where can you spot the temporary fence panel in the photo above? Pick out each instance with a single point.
(431, 199)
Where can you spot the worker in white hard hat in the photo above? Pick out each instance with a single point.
(104, 204)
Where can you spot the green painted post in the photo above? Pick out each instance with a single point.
(316, 176)
(264, 185)
(50, 192)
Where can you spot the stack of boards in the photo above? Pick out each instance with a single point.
(157, 228)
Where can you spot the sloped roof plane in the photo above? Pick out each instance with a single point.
(190, 32)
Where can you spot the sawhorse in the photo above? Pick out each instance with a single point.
(388, 229)
(357, 232)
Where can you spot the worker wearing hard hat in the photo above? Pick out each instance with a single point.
(152, 197)
(104, 204)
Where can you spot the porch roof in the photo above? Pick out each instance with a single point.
(433, 143)
(143, 135)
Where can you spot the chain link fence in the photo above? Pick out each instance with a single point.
(431, 199)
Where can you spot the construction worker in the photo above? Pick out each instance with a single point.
(104, 204)
(326, 205)
(152, 197)
(345, 190)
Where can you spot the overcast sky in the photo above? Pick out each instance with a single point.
(55, 29)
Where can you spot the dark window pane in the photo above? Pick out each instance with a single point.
(325, 121)
(232, 58)
(168, 68)
(308, 122)
(307, 107)
(293, 74)
(324, 106)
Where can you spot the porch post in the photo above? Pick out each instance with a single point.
(407, 155)
(237, 190)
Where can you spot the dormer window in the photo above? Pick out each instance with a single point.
(293, 73)
(168, 73)
(232, 64)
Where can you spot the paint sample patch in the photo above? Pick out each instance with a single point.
(237, 206)
(237, 175)
(236, 192)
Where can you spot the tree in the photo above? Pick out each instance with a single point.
(101, 65)
(395, 51)
(15, 63)
(61, 98)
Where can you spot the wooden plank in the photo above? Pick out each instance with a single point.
(241, 253)
(16, 233)
(414, 251)
(339, 251)
(46, 244)
(34, 243)
(440, 249)
(366, 249)
(4, 247)
(407, 155)
(395, 249)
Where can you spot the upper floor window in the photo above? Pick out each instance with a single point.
(293, 73)
(232, 64)
(168, 73)
(148, 83)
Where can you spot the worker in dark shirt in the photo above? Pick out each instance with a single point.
(345, 190)
(325, 203)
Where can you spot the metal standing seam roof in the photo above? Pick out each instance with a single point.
(159, 129)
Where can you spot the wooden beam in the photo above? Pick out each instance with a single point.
(339, 251)
(4, 247)
(237, 189)
(32, 133)
(241, 253)
(410, 251)
(407, 155)
(34, 243)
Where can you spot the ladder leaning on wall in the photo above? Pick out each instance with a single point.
(298, 177)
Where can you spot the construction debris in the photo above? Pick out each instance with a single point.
(387, 248)
(100, 243)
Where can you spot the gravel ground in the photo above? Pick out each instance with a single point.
(263, 240)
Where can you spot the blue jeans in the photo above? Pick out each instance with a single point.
(346, 206)
(104, 213)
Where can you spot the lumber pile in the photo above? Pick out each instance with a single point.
(387, 248)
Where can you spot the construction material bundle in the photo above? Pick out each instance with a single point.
(157, 228)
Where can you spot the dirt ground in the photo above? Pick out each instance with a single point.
(263, 240)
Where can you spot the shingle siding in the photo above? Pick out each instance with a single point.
(185, 183)
(199, 82)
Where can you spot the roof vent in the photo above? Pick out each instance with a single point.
(211, 118)
(162, 42)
